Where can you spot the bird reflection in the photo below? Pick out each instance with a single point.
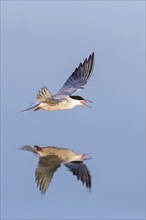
(51, 158)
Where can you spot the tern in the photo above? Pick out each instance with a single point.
(51, 158)
(64, 98)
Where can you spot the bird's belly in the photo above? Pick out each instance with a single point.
(58, 106)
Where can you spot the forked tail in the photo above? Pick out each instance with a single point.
(28, 148)
(33, 106)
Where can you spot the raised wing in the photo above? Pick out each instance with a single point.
(45, 171)
(80, 170)
(78, 78)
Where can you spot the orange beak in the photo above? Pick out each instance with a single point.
(84, 103)
(84, 157)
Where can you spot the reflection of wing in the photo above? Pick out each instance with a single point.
(78, 78)
(45, 171)
(80, 170)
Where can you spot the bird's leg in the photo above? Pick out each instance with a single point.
(38, 108)
(37, 148)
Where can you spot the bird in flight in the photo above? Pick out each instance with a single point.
(64, 99)
(51, 158)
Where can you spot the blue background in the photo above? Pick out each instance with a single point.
(42, 43)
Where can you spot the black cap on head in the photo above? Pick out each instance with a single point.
(76, 97)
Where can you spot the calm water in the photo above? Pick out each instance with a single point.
(42, 43)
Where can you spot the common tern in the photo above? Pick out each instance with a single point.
(51, 158)
(64, 98)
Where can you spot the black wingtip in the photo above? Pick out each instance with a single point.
(91, 64)
(92, 56)
(80, 170)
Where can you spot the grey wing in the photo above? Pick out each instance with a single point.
(80, 170)
(45, 171)
(78, 78)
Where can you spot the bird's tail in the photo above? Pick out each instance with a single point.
(29, 148)
(34, 105)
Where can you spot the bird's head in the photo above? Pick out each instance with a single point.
(81, 100)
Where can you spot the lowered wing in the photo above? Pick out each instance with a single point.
(44, 95)
(45, 171)
(80, 170)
